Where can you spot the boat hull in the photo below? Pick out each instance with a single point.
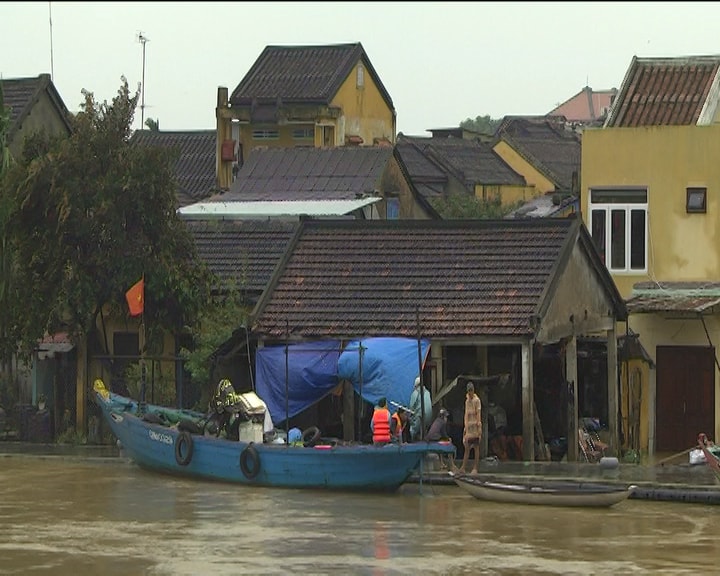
(547, 493)
(170, 450)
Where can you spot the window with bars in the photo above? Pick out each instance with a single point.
(303, 133)
(265, 134)
(618, 225)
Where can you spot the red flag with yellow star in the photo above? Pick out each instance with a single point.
(136, 297)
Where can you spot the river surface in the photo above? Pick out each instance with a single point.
(105, 516)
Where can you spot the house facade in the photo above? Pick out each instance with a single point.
(650, 181)
(489, 295)
(35, 106)
(447, 164)
(364, 182)
(586, 108)
(546, 153)
(299, 96)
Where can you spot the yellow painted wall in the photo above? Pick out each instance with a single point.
(667, 160)
(508, 194)
(675, 330)
(532, 176)
(681, 246)
(362, 112)
(89, 370)
(284, 140)
(365, 112)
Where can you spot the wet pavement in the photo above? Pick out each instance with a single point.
(676, 480)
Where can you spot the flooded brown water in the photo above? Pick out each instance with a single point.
(71, 517)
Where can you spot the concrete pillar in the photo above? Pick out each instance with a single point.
(528, 413)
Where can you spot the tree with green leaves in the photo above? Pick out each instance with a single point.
(153, 125)
(93, 215)
(458, 206)
(7, 338)
(482, 124)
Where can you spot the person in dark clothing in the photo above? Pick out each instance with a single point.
(439, 431)
(439, 428)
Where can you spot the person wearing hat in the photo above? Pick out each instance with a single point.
(417, 403)
(473, 427)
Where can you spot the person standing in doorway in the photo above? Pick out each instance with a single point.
(472, 432)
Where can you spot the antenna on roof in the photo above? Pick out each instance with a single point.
(143, 40)
(52, 66)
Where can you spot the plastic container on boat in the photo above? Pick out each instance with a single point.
(250, 432)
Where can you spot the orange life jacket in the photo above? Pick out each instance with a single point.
(381, 425)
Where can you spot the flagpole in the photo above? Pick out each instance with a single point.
(142, 351)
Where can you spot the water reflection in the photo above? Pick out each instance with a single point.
(108, 517)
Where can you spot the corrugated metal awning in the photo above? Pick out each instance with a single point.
(670, 302)
(269, 209)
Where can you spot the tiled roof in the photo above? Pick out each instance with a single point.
(20, 94)
(195, 164)
(547, 145)
(348, 279)
(302, 74)
(242, 253)
(429, 161)
(667, 92)
(342, 173)
(673, 297)
(586, 106)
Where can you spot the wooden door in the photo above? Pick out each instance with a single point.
(685, 396)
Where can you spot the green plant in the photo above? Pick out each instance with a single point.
(71, 436)
(162, 386)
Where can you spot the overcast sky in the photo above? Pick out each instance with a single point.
(441, 62)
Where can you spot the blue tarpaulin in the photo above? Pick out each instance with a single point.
(389, 368)
(311, 374)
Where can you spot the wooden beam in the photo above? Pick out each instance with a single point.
(612, 383)
(571, 377)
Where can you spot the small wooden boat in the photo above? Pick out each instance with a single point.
(711, 457)
(176, 442)
(545, 492)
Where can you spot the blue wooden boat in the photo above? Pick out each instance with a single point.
(155, 439)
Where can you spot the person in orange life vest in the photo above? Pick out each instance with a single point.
(397, 425)
(380, 423)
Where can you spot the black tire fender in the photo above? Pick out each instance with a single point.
(250, 461)
(184, 448)
(310, 436)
